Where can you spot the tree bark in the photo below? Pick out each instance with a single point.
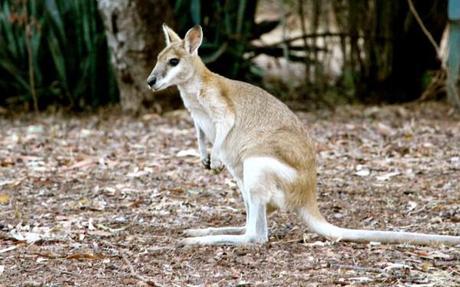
(134, 36)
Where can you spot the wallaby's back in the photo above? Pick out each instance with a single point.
(279, 134)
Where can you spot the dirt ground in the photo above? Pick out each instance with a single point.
(101, 200)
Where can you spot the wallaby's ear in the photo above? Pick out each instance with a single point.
(170, 35)
(193, 39)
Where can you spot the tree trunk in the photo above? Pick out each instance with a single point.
(134, 36)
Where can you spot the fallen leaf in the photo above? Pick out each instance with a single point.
(35, 234)
(83, 164)
(437, 255)
(387, 176)
(385, 130)
(396, 266)
(361, 279)
(138, 173)
(188, 152)
(362, 170)
(455, 161)
(411, 205)
(4, 198)
(85, 256)
(99, 233)
(35, 129)
(150, 117)
(6, 182)
(111, 230)
(41, 259)
(29, 237)
(426, 266)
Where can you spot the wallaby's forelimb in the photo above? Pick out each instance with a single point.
(204, 156)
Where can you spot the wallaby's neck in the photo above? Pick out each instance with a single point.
(193, 86)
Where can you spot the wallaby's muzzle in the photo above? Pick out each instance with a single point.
(151, 80)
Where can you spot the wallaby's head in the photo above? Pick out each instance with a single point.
(176, 64)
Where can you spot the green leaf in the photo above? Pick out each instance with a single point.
(195, 10)
(58, 60)
(239, 21)
(55, 14)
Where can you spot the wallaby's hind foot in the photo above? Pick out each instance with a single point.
(235, 240)
(215, 231)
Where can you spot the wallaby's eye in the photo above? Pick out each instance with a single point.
(174, 62)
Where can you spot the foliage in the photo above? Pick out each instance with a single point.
(230, 27)
(54, 52)
(383, 54)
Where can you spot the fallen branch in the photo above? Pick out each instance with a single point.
(424, 29)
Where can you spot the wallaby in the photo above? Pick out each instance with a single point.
(262, 144)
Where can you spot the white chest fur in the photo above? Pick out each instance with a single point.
(198, 113)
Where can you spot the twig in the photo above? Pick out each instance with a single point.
(450, 84)
(305, 42)
(284, 42)
(70, 273)
(358, 268)
(424, 29)
(31, 67)
(8, 249)
(436, 86)
(134, 273)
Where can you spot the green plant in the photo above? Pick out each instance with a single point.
(54, 52)
(229, 29)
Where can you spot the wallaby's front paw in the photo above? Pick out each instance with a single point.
(216, 165)
(206, 161)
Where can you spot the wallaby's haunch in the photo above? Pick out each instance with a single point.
(262, 144)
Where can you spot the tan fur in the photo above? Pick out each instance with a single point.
(261, 116)
(247, 125)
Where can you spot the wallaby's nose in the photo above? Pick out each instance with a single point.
(151, 81)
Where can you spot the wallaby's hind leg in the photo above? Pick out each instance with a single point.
(256, 231)
(223, 230)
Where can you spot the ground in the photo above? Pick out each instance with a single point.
(101, 200)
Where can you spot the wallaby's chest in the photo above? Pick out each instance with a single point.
(205, 124)
(199, 116)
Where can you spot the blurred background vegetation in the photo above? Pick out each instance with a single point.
(54, 52)
(307, 52)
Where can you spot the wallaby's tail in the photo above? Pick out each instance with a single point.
(318, 224)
